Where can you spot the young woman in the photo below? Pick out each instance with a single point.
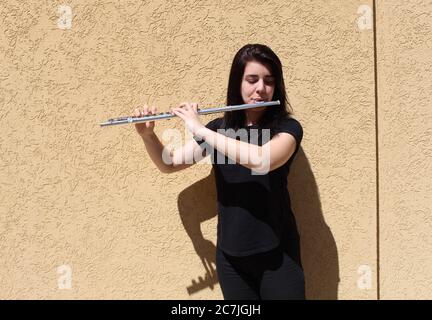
(258, 251)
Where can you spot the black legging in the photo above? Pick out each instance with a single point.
(270, 275)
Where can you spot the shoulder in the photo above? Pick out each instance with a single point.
(214, 124)
(288, 123)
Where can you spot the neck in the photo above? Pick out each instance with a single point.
(253, 117)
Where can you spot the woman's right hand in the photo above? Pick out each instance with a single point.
(144, 128)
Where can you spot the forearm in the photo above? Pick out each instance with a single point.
(246, 154)
(157, 153)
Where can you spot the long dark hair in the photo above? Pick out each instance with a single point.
(264, 55)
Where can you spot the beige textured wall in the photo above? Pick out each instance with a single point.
(76, 195)
(405, 143)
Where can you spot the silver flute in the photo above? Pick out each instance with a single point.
(168, 115)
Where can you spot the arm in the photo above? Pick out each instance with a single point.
(169, 162)
(166, 161)
(263, 159)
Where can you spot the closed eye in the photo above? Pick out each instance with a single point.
(269, 82)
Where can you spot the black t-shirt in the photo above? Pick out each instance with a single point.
(254, 211)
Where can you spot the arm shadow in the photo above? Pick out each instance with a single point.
(318, 248)
(197, 204)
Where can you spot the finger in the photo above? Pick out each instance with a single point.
(137, 112)
(153, 110)
(179, 109)
(145, 109)
(178, 113)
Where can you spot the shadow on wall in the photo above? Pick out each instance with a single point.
(318, 247)
(197, 204)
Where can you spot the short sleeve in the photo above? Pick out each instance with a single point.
(293, 127)
(212, 125)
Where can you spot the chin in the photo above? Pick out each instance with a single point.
(257, 109)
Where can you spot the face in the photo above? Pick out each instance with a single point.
(257, 84)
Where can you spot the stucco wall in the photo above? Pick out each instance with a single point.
(405, 143)
(85, 213)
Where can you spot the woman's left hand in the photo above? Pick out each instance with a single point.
(189, 113)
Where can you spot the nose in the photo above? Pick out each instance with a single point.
(260, 86)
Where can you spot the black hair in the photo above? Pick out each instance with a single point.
(264, 55)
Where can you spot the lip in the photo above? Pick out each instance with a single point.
(259, 100)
